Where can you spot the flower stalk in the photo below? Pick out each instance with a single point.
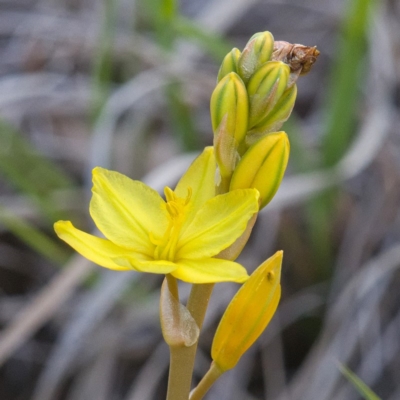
(196, 232)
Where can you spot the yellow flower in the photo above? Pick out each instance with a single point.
(180, 236)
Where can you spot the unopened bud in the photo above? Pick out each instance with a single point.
(229, 118)
(263, 165)
(265, 88)
(258, 51)
(248, 314)
(229, 64)
(276, 117)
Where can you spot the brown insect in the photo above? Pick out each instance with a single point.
(300, 58)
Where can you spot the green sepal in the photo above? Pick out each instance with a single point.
(257, 51)
(229, 64)
(265, 88)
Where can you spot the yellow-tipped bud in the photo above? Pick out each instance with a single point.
(229, 64)
(229, 118)
(248, 314)
(265, 88)
(263, 165)
(276, 117)
(258, 51)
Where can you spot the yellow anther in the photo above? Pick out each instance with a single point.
(169, 194)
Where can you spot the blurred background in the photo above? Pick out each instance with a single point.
(125, 84)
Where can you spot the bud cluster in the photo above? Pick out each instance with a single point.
(254, 96)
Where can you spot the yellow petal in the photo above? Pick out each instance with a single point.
(151, 266)
(126, 211)
(100, 251)
(200, 178)
(248, 313)
(218, 224)
(210, 270)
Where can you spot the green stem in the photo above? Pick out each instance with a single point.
(208, 380)
(198, 301)
(223, 186)
(182, 358)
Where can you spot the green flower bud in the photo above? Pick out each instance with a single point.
(263, 165)
(276, 117)
(258, 51)
(265, 88)
(229, 118)
(229, 64)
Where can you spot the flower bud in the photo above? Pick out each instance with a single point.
(263, 165)
(248, 314)
(229, 64)
(265, 88)
(258, 51)
(229, 118)
(276, 117)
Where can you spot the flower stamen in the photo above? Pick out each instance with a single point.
(176, 207)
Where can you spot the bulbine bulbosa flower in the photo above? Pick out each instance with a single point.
(177, 236)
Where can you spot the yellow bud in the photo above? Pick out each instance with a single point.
(276, 117)
(229, 64)
(258, 51)
(248, 314)
(263, 165)
(229, 118)
(265, 88)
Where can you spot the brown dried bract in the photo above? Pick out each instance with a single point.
(300, 58)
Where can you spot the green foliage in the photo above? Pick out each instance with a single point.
(30, 172)
(102, 69)
(347, 72)
(33, 237)
(358, 384)
(168, 26)
(343, 96)
(213, 44)
(181, 118)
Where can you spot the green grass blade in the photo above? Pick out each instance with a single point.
(213, 44)
(30, 172)
(358, 384)
(33, 237)
(348, 73)
(102, 70)
(181, 118)
(161, 15)
(342, 102)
